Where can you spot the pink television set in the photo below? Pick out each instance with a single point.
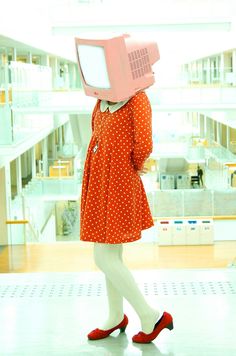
(115, 69)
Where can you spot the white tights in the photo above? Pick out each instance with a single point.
(121, 284)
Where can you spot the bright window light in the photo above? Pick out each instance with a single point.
(93, 57)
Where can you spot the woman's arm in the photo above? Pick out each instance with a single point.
(94, 113)
(142, 126)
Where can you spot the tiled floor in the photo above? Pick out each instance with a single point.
(50, 314)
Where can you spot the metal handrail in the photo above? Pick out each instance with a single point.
(17, 222)
(216, 217)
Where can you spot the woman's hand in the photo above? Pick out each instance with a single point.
(142, 171)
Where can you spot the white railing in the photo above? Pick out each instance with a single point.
(35, 205)
(23, 225)
(192, 202)
(202, 96)
(213, 98)
(52, 188)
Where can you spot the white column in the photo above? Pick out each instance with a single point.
(218, 68)
(234, 65)
(202, 125)
(200, 70)
(53, 145)
(55, 71)
(205, 125)
(29, 167)
(199, 123)
(191, 73)
(44, 60)
(73, 75)
(5, 84)
(208, 74)
(14, 54)
(211, 71)
(18, 175)
(29, 57)
(60, 138)
(222, 68)
(218, 128)
(5, 128)
(33, 162)
(67, 132)
(209, 130)
(45, 156)
(5, 204)
(228, 137)
(24, 165)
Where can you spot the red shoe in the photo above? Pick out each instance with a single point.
(166, 321)
(101, 334)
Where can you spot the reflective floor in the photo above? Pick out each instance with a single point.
(51, 313)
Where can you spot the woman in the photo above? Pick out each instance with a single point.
(114, 207)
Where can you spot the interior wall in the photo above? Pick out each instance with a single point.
(224, 135)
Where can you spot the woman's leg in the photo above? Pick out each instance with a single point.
(107, 258)
(115, 301)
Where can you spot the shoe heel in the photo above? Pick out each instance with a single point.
(170, 326)
(123, 329)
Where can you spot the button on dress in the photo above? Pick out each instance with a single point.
(114, 206)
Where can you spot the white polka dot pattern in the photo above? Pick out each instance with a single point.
(114, 207)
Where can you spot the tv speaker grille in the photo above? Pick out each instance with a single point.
(139, 63)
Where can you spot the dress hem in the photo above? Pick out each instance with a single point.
(111, 243)
(121, 242)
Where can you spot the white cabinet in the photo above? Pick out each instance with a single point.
(183, 181)
(206, 233)
(185, 232)
(178, 232)
(164, 232)
(192, 232)
(167, 181)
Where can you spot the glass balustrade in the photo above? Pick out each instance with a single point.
(183, 203)
(205, 72)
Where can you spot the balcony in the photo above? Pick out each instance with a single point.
(203, 99)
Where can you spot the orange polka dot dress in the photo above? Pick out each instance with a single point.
(114, 206)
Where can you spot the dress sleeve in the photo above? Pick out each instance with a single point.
(142, 129)
(94, 113)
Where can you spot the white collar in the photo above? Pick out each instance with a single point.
(104, 105)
